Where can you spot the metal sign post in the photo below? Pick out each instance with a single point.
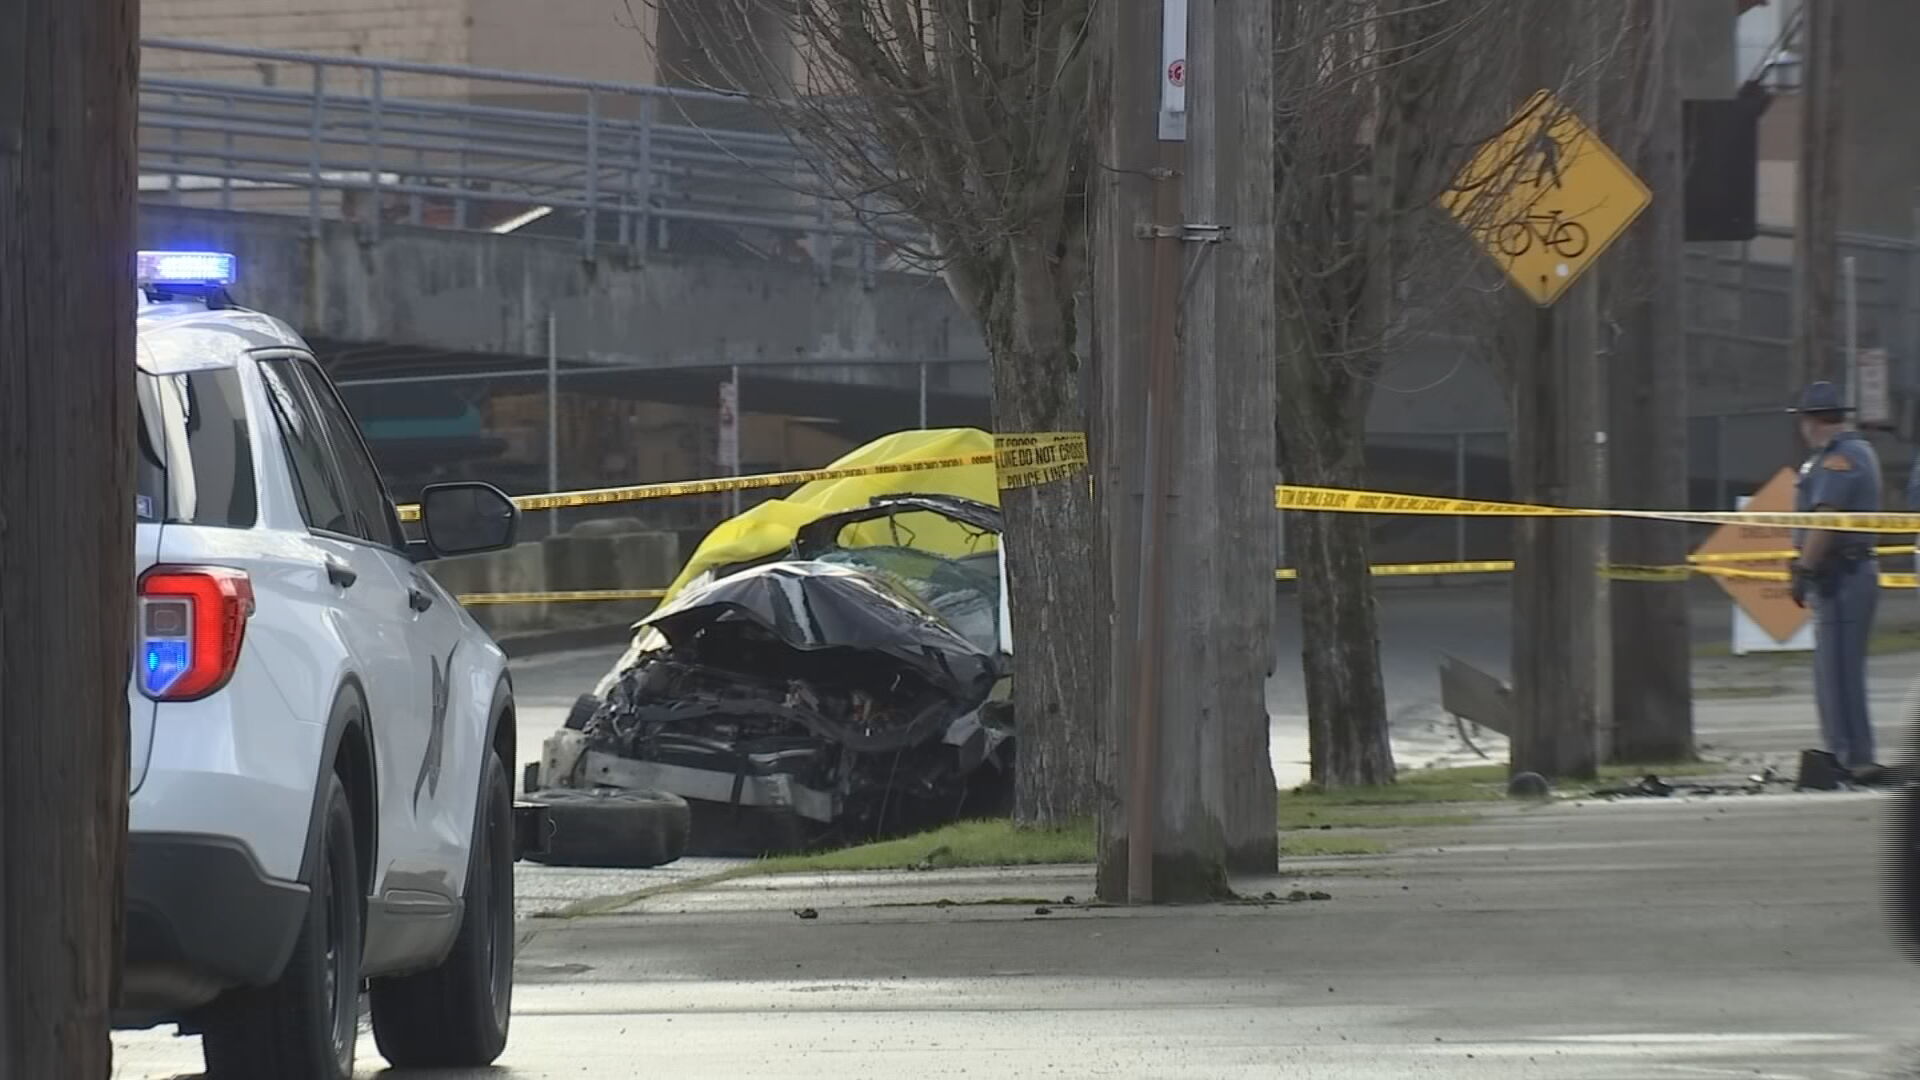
(1850, 271)
(730, 433)
(553, 417)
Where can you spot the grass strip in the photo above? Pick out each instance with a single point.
(997, 842)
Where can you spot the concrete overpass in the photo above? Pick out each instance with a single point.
(426, 243)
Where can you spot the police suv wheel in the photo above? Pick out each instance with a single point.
(304, 1026)
(456, 1015)
(610, 827)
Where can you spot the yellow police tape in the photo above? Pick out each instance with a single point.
(1028, 460)
(1351, 501)
(1698, 564)
(1019, 461)
(1616, 572)
(561, 597)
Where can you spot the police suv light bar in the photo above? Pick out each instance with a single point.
(186, 268)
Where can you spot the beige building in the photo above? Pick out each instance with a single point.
(1879, 140)
(612, 40)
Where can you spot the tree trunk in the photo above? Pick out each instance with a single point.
(1059, 618)
(1322, 444)
(67, 85)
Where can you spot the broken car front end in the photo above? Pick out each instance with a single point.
(802, 704)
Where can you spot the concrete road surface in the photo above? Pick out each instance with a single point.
(1695, 938)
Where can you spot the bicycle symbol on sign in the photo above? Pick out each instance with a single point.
(1567, 239)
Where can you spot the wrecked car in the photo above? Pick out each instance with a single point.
(841, 693)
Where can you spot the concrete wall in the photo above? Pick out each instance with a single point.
(480, 293)
(1879, 140)
(1879, 137)
(606, 554)
(585, 39)
(423, 31)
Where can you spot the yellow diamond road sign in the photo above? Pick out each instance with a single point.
(1545, 197)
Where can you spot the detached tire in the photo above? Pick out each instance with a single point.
(610, 827)
(456, 1015)
(583, 709)
(305, 1025)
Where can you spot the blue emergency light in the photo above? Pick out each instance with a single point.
(166, 660)
(186, 268)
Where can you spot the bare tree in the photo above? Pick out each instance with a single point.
(67, 88)
(970, 121)
(1379, 105)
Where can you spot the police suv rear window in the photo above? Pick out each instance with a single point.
(196, 458)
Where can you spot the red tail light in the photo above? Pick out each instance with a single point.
(192, 620)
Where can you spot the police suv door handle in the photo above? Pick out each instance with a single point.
(339, 573)
(419, 599)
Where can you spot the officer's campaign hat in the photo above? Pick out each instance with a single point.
(1821, 397)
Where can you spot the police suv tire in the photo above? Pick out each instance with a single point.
(456, 1015)
(303, 1026)
(610, 827)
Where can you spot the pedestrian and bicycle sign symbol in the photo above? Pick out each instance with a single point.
(1545, 197)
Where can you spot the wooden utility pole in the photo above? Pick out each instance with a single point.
(1127, 171)
(1647, 375)
(1558, 447)
(1188, 443)
(1215, 726)
(67, 114)
(1232, 126)
(1816, 228)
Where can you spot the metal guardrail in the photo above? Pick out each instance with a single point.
(606, 163)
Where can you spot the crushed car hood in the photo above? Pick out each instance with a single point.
(811, 606)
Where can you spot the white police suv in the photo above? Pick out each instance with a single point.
(321, 735)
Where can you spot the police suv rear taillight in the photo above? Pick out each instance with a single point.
(192, 620)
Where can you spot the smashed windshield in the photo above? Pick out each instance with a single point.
(964, 592)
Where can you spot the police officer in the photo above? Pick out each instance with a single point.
(1836, 572)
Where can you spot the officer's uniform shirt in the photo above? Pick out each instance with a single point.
(1843, 475)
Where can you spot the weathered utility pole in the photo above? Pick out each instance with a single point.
(1223, 500)
(1231, 125)
(1647, 376)
(1128, 170)
(67, 114)
(1816, 228)
(1188, 444)
(1558, 446)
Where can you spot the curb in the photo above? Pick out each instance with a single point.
(537, 642)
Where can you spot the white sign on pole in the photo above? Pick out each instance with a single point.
(1173, 71)
(1870, 367)
(1751, 637)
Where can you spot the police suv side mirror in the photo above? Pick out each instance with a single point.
(467, 518)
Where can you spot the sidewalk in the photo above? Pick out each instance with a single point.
(1661, 938)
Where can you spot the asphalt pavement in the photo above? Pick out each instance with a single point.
(1713, 937)
(1719, 936)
